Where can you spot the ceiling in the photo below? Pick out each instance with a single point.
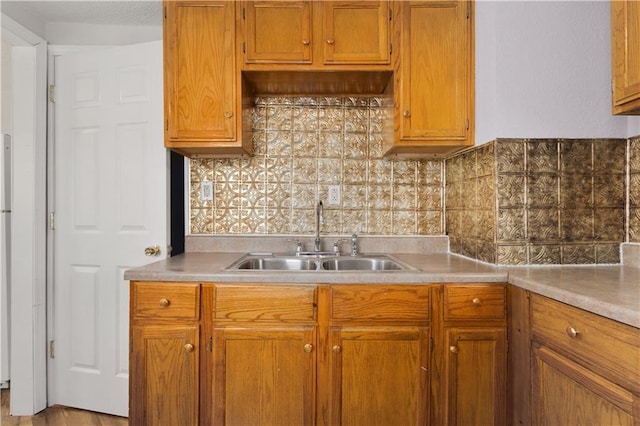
(114, 12)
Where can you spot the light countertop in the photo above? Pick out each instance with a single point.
(612, 291)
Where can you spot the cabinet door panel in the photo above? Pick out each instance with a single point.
(356, 32)
(200, 71)
(278, 32)
(165, 376)
(435, 71)
(566, 393)
(379, 375)
(625, 24)
(264, 375)
(476, 379)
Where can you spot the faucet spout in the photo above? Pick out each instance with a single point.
(319, 221)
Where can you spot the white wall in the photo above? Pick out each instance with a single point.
(101, 35)
(543, 70)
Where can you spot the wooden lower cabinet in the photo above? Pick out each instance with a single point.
(287, 354)
(379, 375)
(264, 375)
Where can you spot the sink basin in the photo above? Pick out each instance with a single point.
(271, 262)
(278, 264)
(362, 264)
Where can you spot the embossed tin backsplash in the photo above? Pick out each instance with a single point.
(303, 145)
(555, 201)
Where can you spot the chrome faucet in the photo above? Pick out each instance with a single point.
(354, 244)
(319, 220)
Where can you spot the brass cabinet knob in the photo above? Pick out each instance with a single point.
(152, 251)
(330, 41)
(189, 347)
(406, 113)
(228, 114)
(476, 301)
(336, 349)
(453, 349)
(306, 42)
(572, 332)
(308, 348)
(164, 302)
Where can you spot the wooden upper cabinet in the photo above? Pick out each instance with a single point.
(277, 32)
(356, 32)
(316, 33)
(202, 98)
(625, 48)
(434, 77)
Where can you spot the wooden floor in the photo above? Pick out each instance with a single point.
(58, 416)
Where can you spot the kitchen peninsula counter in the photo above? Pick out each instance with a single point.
(612, 291)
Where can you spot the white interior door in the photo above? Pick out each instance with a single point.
(111, 186)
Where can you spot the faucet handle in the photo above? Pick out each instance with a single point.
(299, 248)
(336, 245)
(354, 244)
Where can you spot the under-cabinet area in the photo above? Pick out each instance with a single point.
(306, 354)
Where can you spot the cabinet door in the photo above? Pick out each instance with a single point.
(356, 32)
(264, 375)
(379, 375)
(164, 375)
(476, 376)
(200, 72)
(436, 72)
(278, 31)
(565, 393)
(625, 27)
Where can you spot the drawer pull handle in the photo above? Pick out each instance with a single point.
(336, 349)
(308, 348)
(572, 332)
(453, 349)
(164, 302)
(476, 301)
(189, 347)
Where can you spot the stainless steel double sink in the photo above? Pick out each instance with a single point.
(318, 262)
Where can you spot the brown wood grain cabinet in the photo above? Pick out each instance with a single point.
(575, 367)
(164, 354)
(317, 33)
(625, 58)
(203, 96)
(434, 78)
(306, 354)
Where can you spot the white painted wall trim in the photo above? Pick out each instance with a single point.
(28, 240)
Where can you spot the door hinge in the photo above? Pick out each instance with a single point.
(52, 221)
(52, 93)
(210, 344)
(52, 348)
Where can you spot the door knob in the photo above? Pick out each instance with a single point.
(152, 251)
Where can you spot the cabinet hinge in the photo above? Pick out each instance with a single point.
(52, 93)
(52, 221)
(244, 47)
(166, 125)
(432, 344)
(390, 48)
(468, 9)
(244, 14)
(52, 347)
(165, 12)
(390, 14)
(467, 124)
(210, 344)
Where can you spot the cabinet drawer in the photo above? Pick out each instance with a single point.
(380, 302)
(265, 302)
(467, 302)
(605, 346)
(161, 300)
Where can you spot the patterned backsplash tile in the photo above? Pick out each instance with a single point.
(303, 145)
(556, 201)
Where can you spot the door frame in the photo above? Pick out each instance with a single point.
(28, 349)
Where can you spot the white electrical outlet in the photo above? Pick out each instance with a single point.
(206, 191)
(334, 194)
